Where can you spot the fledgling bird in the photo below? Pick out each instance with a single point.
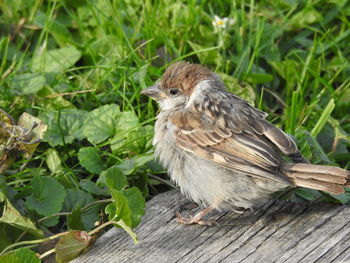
(221, 151)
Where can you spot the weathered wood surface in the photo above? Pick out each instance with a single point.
(278, 232)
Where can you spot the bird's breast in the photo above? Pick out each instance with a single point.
(204, 182)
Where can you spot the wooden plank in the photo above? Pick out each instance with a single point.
(277, 232)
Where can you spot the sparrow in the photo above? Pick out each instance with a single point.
(221, 151)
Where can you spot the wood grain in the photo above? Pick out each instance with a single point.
(276, 232)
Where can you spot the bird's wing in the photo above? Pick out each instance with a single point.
(226, 130)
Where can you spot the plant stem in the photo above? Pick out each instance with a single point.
(97, 229)
(47, 253)
(29, 242)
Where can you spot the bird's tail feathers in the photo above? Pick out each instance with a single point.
(319, 177)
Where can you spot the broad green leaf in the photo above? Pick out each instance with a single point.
(47, 196)
(85, 14)
(75, 220)
(108, 45)
(64, 127)
(107, 121)
(114, 178)
(107, 51)
(21, 255)
(141, 182)
(127, 208)
(8, 235)
(51, 221)
(11, 216)
(129, 135)
(56, 60)
(71, 245)
(127, 167)
(305, 17)
(28, 83)
(341, 198)
(90, 159)
(92, 187)
(141, 160)
(307, 194)
(136, 203)
(136, 141)
(100, 124)
(126, 121)
(58, 30)
(154, 165)
(111, 211)
(53, 161)
(78, 199)
(4, 189)
(47, 100)
(122, 209)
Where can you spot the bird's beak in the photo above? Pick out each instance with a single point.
(154, 92)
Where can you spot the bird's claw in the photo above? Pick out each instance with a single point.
(193, 220)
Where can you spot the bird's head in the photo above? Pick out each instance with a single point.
(180, 84)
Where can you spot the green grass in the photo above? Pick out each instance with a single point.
(69, 62)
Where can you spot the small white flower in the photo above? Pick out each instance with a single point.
(222, 23)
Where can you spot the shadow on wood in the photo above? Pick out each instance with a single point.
(278, 232)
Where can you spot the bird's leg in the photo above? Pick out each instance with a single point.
(195, 219)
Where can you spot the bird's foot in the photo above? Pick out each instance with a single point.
(196, 219)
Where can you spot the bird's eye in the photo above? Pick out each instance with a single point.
(173, 92)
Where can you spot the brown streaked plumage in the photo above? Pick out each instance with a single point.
(221, 151)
